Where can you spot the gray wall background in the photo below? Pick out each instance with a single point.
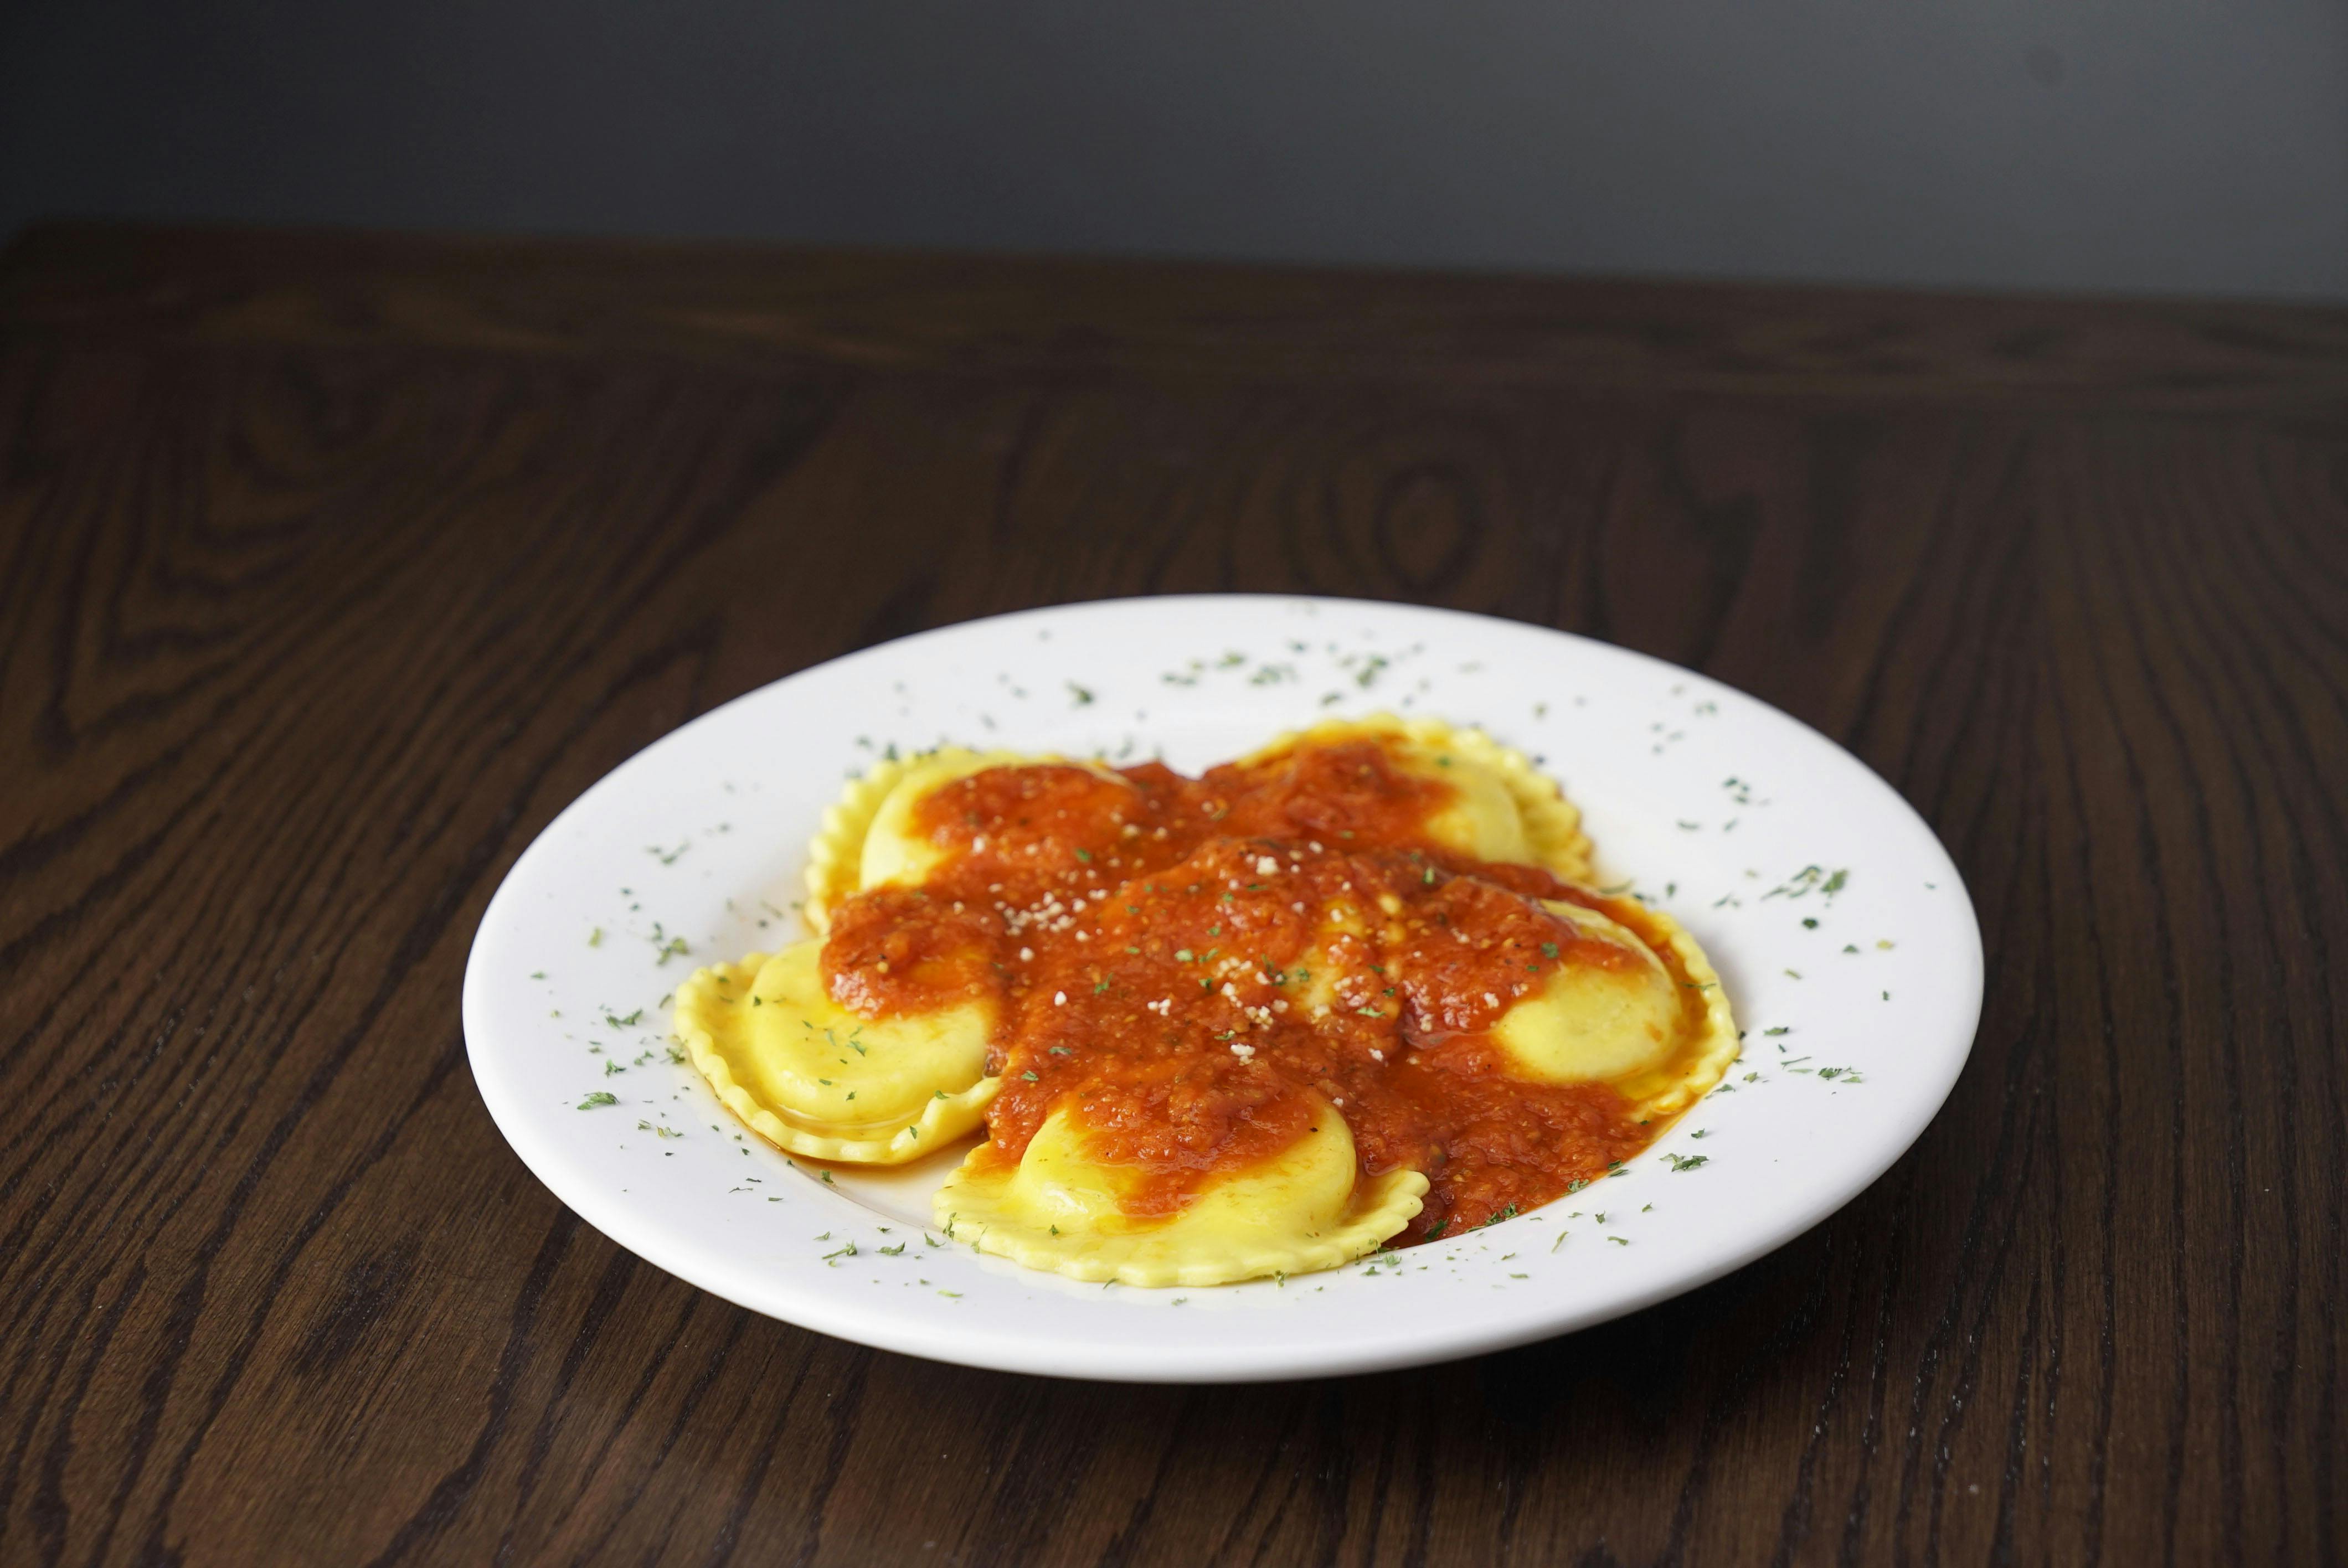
(2164, 145)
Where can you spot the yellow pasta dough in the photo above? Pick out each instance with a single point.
(894, 855)
(836, 860)
(1588, 1023)
(1708, 1045)
(812, 1077)
(1059, 1209)
(868, 839)
(1505, 809)
(1629, 1023)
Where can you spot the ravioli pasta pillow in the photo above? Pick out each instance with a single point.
(1653, 1023)
(1503, 808)
(879, 832)
(1711, 1042)
(880, 800)
(816, 1078)
(1061, 1208)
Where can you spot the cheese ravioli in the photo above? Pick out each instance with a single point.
(878, 834)
(1645, 1014)
(879, 802)
(1062, 1206)
(1501, 808)
(816, 1078)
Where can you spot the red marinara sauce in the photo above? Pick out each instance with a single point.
(1199, 964)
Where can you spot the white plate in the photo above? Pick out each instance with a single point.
(1714, 801)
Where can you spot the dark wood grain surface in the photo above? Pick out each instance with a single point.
(332, 568)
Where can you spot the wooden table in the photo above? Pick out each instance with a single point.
(336, 565)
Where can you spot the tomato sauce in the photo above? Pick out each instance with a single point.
(1202, 964)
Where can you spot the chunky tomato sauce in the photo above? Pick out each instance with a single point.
(1201, 964)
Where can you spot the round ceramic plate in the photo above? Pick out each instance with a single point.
(1838, 924)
